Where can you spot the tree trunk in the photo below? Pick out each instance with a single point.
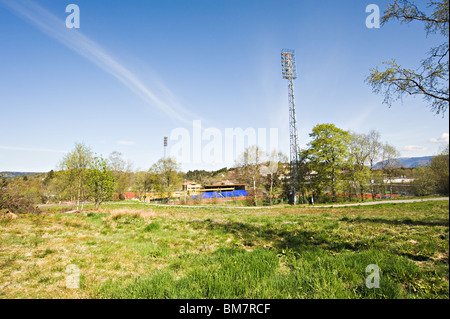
(333, 190)
(78, 197)
(372, 188)
(390, 187)
(271, 190)
(254, 192)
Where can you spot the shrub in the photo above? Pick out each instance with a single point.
(19, 206)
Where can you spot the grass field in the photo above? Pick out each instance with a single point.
(133, 251)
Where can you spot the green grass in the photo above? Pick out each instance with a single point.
(153, 227)
(134, 250)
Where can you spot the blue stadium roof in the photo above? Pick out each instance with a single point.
(236, 193)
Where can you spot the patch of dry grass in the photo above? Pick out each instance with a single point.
(120, 212)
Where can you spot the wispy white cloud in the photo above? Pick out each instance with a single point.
(359, 118)
(84, 46)
(415, 148)
(126, 142)
(443, 139)
(30, 149)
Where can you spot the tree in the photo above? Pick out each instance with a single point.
(75, 164)
(116, 162)
(48, 177)
(374, 153)
(248, 168)
(440, 169)
(121, 171)
(423, 183)
(430, 80)
(328, 155)
(389, 163)
(305, 178)
(432, 178)
(58, 187)
(164, 176)
(270, 171)
(360, 148)
(142, 183)
(100, 181)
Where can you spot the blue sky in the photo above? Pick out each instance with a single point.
(137, 70)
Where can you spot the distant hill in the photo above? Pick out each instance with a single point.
(15, 174)
(409, 162)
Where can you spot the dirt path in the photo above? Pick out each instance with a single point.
(384, 202)
(301, 206)
(395, 201)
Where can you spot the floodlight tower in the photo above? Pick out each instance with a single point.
(290, 73)
(165, 146)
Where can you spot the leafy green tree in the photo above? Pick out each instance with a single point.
(164, 177)
(328, 154)
(100, 181)
(440, 169)
(58, 187)
(75, 164)
(430, 80)
(432, 178)
(142, 183)
(423, 182)
(121, 171)
(359, 172)
(374, 154)
(48, 177)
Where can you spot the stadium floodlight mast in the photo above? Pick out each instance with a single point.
(290, 73)
(165, 146)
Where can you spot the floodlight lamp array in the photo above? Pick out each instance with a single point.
(288, 68)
